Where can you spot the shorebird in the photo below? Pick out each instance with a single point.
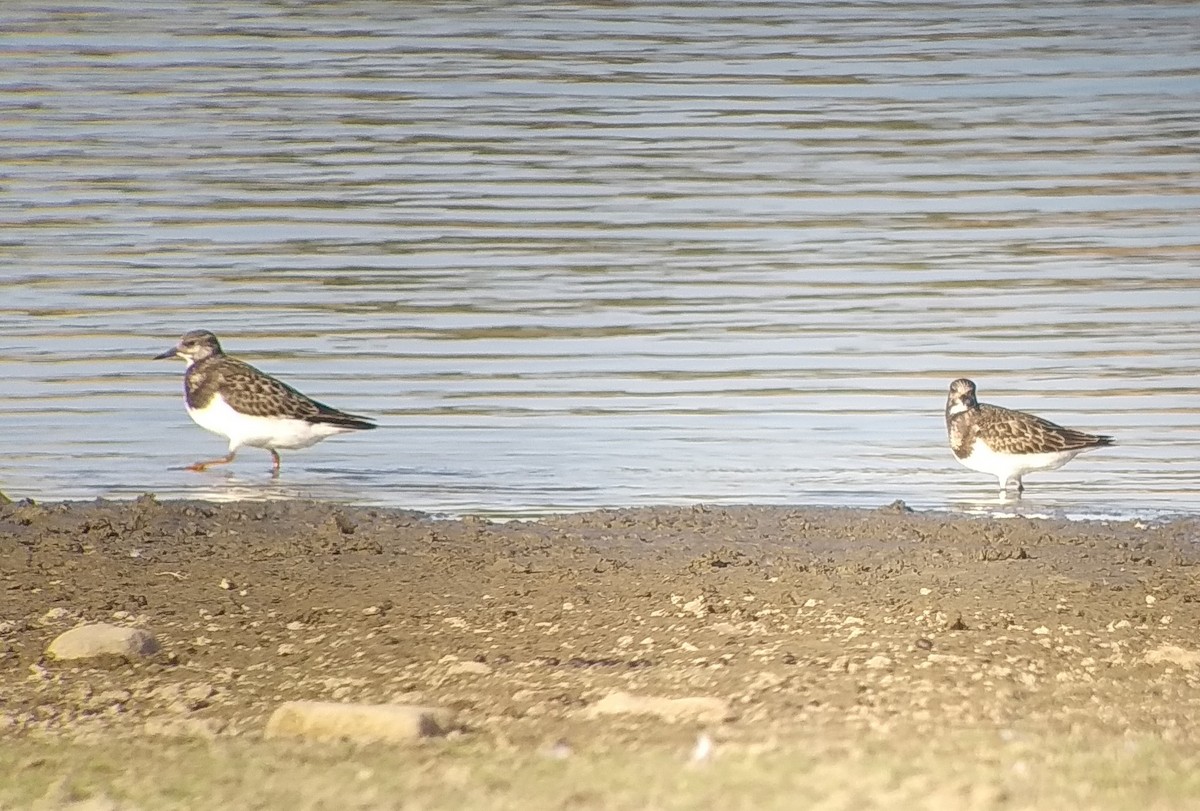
(1009, 444)
(231, 398)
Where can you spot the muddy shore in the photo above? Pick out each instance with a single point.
(967, 658)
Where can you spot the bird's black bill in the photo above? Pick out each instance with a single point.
(170, 353)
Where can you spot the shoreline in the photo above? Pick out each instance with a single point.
(865, 630)
(977, 509)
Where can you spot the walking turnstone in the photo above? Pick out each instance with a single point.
(1008, 444)
(231, 398)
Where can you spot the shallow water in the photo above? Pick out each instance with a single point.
(591, 254)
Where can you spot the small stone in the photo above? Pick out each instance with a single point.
(559, 750)
(1151, 599)
(198, 696)
(102, 639)
(385, 723)
(55, 615)
(672, 710)
(110, 697)
(371, 610)
(1173, 655)
(470, 668)
(287, 649)
(765, 681)
(225, 584)
(878, 662)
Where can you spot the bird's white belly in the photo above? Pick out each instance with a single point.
(259, 432)
(1013, 465)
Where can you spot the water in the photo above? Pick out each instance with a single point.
(600, 254)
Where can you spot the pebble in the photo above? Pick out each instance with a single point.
(470, 668)
(55, 615)
(363, 723)
(878, 662)
(671, 710)
(102, 639)
(1173, 655)
(198, 696)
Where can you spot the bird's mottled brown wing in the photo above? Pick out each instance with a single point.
(250, 391)
(1008, 431)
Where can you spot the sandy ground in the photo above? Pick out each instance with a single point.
(850, 659)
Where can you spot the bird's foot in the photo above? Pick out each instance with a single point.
(200, 467)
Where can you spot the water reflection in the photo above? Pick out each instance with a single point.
(602, 255)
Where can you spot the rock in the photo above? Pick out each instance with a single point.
(102, 639)
(363, 723)
(472, 668)
(671, 710)
(198, 696)
(1173, 655)
(54, 615)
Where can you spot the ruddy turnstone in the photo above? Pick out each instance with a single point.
(231, 398)
(1006, 443)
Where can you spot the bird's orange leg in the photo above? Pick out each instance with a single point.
(200, 467)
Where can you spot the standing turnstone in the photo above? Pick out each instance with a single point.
(231, 398)
(1008, 444)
